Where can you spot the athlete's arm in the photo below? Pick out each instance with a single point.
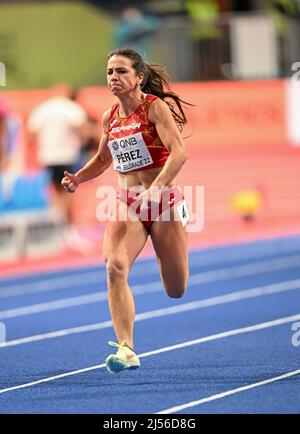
(95, 166)
(161, 116)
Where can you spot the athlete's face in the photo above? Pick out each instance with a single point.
(121, 76)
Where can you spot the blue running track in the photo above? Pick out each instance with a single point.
(230, 345)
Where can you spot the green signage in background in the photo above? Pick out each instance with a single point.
(61, 42)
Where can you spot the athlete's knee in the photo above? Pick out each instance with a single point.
(116, 271)
(176, 294)
(177, 288)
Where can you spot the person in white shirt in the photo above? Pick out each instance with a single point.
(56, 126)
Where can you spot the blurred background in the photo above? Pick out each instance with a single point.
(237, 61)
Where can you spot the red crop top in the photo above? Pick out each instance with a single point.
(133, 140)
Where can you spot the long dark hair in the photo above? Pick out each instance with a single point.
(156, 81)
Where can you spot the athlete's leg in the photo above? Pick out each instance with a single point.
(123, 241)
(170, 241)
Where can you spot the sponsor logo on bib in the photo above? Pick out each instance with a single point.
(130, 153)
(115, 145)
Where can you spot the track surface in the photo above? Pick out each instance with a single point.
(225, 347)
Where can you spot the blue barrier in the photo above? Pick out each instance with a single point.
(27, 192)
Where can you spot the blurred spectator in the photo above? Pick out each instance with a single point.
(280, 11)
(56, 126)
(205, 15)
(247, 204)
(10, 126)
(3, 136)
(206, 38)
(134, 29)
(9, 170)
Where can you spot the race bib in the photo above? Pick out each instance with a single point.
(183, 213)
(129, 153)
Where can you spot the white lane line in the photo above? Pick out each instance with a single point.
(240, 251)
(55, 377)
(96, 277)
(228, 393)
(234, 332)
(53, 284)
(185, 307)
(95, 297)
(148, 288)
(54, 305)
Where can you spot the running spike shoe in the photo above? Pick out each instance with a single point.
(125, 358)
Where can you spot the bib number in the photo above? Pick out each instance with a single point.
(183, 213)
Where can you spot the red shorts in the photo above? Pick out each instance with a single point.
(147, 216)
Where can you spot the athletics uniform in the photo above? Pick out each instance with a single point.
(135, 145)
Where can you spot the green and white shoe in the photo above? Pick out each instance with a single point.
(125, 358)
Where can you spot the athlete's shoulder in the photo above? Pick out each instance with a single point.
(110, 114)
(106, 115)
(150, 97)
(154, 103)
(114, 110)
(105, 119)
(157, 109)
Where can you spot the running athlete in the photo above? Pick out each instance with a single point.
(141, 136)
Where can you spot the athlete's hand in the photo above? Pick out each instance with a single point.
(70, 182)
(151, 195)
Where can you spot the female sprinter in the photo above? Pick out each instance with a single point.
(142, 138)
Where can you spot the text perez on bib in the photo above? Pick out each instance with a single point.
(129, 153)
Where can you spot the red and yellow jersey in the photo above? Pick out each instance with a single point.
(133, 140)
